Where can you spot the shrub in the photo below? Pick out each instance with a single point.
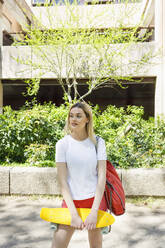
(42, 124)
(132, 141)
(35, 153)
(31, 133)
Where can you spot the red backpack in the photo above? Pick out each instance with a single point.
(114, 192)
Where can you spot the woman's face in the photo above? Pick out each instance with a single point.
(77, 119)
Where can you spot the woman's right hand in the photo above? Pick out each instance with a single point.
(77, 222)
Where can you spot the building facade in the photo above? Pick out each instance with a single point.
(149, 93)
(14, 16)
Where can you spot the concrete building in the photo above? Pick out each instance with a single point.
(14, 16)
(150, 93)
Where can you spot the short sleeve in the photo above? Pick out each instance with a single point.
(60, 151)
(101, 149)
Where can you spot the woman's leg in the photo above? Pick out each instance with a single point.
(95, 238)
(62, 236)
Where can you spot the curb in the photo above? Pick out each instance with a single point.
(41, 181)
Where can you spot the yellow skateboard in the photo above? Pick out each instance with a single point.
(62, 216)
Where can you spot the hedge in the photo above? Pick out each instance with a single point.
(29, 135)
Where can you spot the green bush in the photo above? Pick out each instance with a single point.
(42, 124)
(35, 153)
(132, 141)
(30, 134)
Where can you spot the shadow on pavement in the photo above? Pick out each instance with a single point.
(21, 227)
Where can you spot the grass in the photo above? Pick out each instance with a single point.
(46, 163)
(153, 203)
(14, 164)
(148, 201)
(32, 197)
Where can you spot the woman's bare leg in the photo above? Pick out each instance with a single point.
(62, 236)
(95, 238)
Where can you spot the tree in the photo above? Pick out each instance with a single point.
(80, 44)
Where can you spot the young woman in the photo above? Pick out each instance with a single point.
(82, 175)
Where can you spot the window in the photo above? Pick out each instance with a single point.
(51, 2)
(34, 2)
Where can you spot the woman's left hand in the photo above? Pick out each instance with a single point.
(91, 220)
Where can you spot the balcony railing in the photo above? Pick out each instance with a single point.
(81, 2)
(127, 63)
(146, 32)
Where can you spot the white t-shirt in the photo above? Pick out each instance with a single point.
(81, 159)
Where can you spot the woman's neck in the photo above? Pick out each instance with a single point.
(79, 135)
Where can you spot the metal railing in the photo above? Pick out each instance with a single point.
(80, 2)
(146, 34)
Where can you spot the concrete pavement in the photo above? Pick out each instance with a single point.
(21, 226)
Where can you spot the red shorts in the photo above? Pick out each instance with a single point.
(87, 203)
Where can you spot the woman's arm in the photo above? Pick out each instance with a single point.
(62, 177)
(91, 220)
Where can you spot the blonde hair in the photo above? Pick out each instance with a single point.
(89, 126)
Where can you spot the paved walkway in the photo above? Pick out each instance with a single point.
(21, 226)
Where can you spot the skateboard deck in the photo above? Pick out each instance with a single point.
(62, 216)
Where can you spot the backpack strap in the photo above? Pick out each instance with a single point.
(97, 140)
